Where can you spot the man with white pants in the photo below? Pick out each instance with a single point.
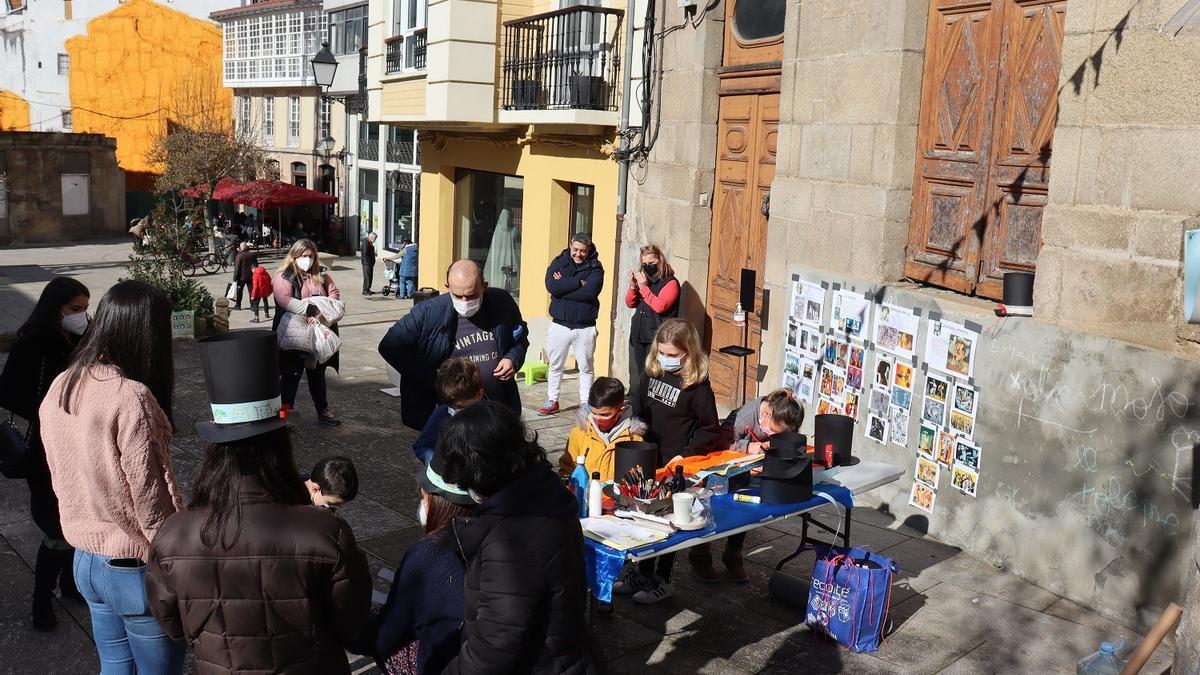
(574, 280)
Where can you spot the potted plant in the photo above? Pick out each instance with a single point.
(526, 95)
(587, 91)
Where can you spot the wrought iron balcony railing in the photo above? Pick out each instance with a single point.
(394, 58)
(405, 52)
(568, 59)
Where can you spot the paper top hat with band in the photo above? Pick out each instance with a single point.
(787, 470)
(241, 370)
(838, 431)
(432, 482)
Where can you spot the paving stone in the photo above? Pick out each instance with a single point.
(923, 564)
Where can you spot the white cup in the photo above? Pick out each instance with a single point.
(682, 503)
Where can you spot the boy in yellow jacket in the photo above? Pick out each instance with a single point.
(601, 424)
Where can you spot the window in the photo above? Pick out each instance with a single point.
(68, 121)
(324, 123)
(583, 200)
(75, 194)
(243, 118)
(408, 21)
(269, 120)
(488, 225)
(299, 174)
(347, 30)
(273, 169)
(404, 206)
(275, 47)
(760, 20)
(293, 122)
(64, 64)
(402, 146)
(368, 200)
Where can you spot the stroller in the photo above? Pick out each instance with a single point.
(391, 277)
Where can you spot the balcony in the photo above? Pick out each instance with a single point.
(368, 149)
(562, 67)
(405, 53)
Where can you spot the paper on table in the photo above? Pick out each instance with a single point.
(619, 534)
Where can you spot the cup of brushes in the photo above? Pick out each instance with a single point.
(645, 494)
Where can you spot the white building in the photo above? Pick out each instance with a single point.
(267, 51)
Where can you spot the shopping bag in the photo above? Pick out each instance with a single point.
(849, 597)
(231, 291)
(326, 343)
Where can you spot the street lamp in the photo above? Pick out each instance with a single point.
(324, 67)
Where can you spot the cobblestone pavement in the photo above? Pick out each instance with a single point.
(951, 611)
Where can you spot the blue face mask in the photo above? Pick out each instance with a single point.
(670, 363)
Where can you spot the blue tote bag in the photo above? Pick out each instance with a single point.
(849, 597)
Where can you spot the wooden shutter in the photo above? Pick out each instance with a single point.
(988, 101)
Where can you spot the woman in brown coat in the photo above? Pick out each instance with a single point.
(253, 576)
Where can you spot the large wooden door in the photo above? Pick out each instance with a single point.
(747, 131)
(988, 107)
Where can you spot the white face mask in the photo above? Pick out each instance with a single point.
(422, 513)
(75, 323)
(670, 363)
(467, 308)
(304, 263)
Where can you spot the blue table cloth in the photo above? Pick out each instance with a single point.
(604, 563)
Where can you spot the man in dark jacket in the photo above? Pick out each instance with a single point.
(574, 280)
(470, 321)
(526, 588)
(243, 269)
(368, 262)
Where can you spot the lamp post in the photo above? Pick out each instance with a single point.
(324, 67)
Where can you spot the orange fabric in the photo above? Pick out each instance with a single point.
(697, 463)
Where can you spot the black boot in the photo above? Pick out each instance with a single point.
(66, 575)
(45, 577)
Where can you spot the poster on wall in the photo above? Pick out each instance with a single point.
(808, 302)
(896, 330)
(851, 313)
(809, 342)
(950, 348)
(922, 497)
(933, 409)
(806, 384)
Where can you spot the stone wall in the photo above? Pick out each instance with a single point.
(34, 163)
(669, 195)
(847, 137)
(1123, 181)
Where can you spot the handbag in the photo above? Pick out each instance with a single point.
(14, 446)
(231, 292)
(850, 595)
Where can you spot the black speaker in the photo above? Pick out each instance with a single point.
(746, 290)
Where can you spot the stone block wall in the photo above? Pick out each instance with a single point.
(34, 164)
(669, 195)
(847, 138)
(1123, 185)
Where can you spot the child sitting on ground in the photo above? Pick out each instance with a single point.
(458, 385)
(600, 425)
(332, 483)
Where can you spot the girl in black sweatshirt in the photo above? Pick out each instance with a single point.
(676, 401)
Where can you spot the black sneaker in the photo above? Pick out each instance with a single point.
(327, 418)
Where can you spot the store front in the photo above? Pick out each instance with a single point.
(488, 209)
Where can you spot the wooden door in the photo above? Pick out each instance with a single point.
(988, 103)
(746, 136)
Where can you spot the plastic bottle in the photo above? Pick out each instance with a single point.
(579, 485)
(1103, 662)
(595, 501)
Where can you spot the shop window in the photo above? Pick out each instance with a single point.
(404, 207)
(368, 201)
(488, 210)
(583, 201)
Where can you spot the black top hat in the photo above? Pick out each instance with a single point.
(432, 482)
(787, 470)
(241, 370)
(838, 431)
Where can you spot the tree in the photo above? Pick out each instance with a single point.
(166, 249)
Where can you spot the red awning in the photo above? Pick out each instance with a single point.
(269, 194)
(226, 188)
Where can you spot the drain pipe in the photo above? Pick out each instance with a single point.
(623, 171)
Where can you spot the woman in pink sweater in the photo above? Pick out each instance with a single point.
(106, 427)
(299, 278)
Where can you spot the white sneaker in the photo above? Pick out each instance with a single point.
(658, 591)
(631, 581)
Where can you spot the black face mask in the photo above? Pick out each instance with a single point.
(650, 270)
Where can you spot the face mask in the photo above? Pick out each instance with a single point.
(467, 308)
(452, 411)
(304, 263)
(75, 323)
(650, 270)
(422, 513)
(606, 425)
(670, 363)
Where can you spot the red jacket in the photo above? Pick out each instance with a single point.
(260, 283)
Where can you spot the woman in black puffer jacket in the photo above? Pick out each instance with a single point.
(526, 592)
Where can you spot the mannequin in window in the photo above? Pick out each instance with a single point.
(503, 265)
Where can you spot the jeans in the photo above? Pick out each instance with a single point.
(266, 305)
(368, 276)
(407, 285)
(580, 341)
(128, 638)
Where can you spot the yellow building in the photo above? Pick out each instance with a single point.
(516, 104)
